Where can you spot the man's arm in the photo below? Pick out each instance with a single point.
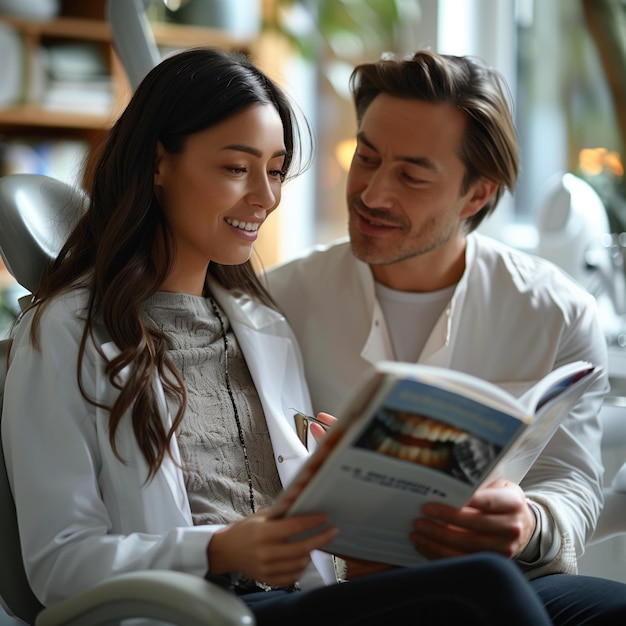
(545, 523)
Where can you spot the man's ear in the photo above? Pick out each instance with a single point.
(478, 196)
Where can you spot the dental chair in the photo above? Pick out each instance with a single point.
(36, 215)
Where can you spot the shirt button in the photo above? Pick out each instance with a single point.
(280, 458)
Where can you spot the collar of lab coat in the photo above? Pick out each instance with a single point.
(274, 361)
(439, 346)
(243, 310)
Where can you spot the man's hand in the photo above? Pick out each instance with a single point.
(497, 519)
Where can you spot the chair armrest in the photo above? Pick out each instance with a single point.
(175, 597)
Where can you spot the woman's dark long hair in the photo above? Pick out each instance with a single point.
(110, 251)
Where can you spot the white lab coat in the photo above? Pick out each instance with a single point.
(84, 515)
(512, 319)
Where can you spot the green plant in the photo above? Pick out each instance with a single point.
(604, 171)
(343, 28)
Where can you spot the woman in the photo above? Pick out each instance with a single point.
(145, 418)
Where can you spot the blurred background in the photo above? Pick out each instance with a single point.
(564, 60)
(63, 85)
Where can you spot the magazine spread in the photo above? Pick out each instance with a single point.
(412, 434)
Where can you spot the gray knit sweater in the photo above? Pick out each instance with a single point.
(212, 455)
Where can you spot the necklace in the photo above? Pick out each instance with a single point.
(237, 581)
(242, 440)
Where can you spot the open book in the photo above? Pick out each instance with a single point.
(411, 434)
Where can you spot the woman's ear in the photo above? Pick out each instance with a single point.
(158, 164)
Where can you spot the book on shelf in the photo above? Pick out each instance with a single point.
(411, 434)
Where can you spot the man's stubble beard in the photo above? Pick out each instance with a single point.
(382, 251)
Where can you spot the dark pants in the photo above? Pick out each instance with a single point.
(582, 600)
(478, 590)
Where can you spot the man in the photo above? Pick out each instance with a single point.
(436, 149)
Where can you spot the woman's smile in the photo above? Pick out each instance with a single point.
(246, 229)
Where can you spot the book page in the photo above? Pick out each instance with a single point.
(554, 401)
(555, 383)
(460, 383)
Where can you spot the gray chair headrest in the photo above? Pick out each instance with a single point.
(37, 214)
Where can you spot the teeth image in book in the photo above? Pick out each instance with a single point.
(418, 439)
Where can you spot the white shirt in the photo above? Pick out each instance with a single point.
(512, 319)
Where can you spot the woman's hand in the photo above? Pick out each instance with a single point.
(318, 431)
(263, 548)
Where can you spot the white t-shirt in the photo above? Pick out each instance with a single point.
(402, 308)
